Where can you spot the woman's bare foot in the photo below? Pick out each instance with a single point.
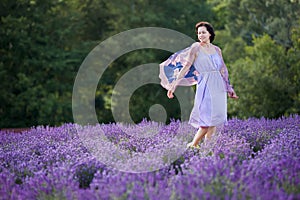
(191, 145)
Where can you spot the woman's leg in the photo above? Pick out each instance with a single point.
(211, 130)
(202, 131)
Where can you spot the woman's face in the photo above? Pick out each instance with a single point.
(203, 34)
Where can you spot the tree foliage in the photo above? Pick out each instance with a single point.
(262, 79)
(43, 43)
(260, 41)
(38, 62)
(248, 18)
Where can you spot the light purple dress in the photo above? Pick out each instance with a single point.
(195, 66)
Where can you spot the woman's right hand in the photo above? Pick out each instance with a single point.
(170, 94)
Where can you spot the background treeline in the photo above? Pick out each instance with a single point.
(43, 43)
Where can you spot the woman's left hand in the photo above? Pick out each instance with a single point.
(232, 95)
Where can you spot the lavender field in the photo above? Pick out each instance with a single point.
(249, 159)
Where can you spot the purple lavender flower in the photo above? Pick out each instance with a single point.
(248, 159)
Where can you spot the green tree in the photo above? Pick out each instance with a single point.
(39, 58)
(263, 80)
(265, 75)
(248, 18)
(293, 56)
(43, 43)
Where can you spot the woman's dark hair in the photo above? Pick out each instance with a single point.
(209, 28)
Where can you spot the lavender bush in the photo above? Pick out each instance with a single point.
(248, 159)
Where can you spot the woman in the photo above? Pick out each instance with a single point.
(201, 64)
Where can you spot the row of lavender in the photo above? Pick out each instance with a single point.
(249, 159)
